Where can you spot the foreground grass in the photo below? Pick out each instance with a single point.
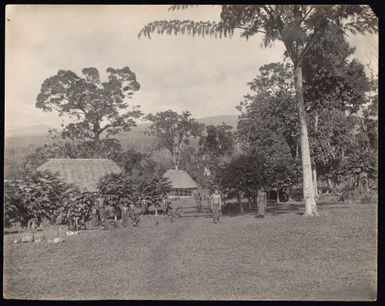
(284, 256)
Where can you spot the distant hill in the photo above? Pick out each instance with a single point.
(218, 120)
(35, 130)
(135, 139)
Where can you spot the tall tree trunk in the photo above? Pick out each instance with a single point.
(174, 159)
(278, 200)
(330, 186)
(156, 210)
(315, 170)
(315, 183)
(308, 190)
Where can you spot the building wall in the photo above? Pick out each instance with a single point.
(181, 192)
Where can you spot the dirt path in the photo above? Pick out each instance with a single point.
(166, 267)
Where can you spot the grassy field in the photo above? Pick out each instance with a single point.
(284, 256)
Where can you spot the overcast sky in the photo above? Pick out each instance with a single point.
(207, 76)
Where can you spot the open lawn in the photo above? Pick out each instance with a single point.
(284, 256)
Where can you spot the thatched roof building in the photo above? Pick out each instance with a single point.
(84, 173)
(181, 182)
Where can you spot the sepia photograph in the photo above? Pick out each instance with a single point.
(191, 152)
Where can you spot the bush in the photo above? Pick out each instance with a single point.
(355, 197)
(11, 204)
(76, 205)
(42, 195)
(135, 188)
(37, 196)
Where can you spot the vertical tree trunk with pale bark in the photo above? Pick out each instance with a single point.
(308, 188)
(240, 202)
(315, 183)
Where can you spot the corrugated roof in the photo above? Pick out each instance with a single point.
(85, 173)
(180, 179)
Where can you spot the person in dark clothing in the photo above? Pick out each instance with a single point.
(95, 218)
(124, 210)
(261, 202)
(144, 207)
(199, 202)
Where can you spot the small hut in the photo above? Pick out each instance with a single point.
(182, 185)
(84, 173)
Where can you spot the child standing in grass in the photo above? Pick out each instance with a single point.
(131, 213)
(95, 221)
(164, 205)
(199, 202)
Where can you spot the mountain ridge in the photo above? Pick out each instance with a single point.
(38, 134)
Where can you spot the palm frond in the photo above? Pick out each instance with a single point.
(201, 28)
(179, 7)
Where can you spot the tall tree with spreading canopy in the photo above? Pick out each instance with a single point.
(97, 107)
(335, 86)
(299, 27)
(173, 131)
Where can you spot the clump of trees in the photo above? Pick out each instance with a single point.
(269, 113)
(173, 131)
(300, 28)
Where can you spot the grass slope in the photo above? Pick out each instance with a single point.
(284, 256)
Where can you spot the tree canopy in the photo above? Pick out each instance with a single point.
(173, 131)
(95, 106)
(299, 27)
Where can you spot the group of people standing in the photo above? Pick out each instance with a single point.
(127, 209)
(129, 213)
(216, 204)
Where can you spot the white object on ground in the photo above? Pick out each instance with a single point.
(27, 238)
(72, 233)
(55, 240)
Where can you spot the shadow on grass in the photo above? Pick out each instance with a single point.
(232, 209)
(274, 209)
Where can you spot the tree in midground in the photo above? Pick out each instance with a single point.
(98, 109)
(299, 27)
(173, 131)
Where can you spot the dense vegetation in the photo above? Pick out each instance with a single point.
(46, 198)
(315, 113)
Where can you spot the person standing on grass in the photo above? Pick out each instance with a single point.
(101, 208)
(216, 205)
(199, 201)
(124, 210)
(95, 221)
(144, 207)
(164, 205)
(131, 213)
(261, 202)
